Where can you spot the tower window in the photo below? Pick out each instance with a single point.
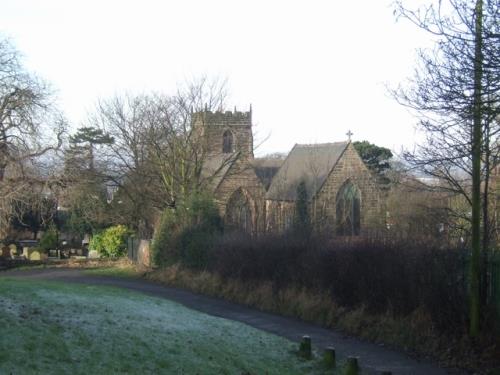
(227, 142)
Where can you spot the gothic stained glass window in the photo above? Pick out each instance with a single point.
(227, 142)
(348, 204)
(239, 212)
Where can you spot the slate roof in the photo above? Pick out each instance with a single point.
(311, 163)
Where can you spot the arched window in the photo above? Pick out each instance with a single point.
(348, 210)
(239, 212)
(227, 142)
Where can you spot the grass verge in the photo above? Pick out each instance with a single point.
(49, 327)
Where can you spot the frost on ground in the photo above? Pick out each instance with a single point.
(49, 327)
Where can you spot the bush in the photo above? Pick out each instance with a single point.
(187, 233)
(203, 226)
(96, 243)
(49, 239)
(161, 247)
(112, 242)
(115, 240)
(195, 245)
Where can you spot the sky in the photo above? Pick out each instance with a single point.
(312, 70)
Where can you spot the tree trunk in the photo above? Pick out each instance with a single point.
(483, 288)
(474, 271)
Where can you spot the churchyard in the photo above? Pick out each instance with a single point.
(399, 247)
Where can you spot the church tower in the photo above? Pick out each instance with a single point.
(225, 133)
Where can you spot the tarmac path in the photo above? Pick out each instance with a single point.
(372, 358)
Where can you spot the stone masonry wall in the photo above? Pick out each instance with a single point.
(349, 167)
(242, 175)
(213, 125)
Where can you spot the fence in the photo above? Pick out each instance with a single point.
(494, 281)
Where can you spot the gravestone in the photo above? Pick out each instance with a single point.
(35, 255)
(13, 250)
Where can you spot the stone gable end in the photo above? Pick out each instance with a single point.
(349, 167)
(241, 175)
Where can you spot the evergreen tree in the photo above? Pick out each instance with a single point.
(302, 222)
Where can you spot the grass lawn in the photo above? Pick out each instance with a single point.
(56, 328)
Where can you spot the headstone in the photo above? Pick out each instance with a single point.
(329, 357)
(305, 347)
(352, 367)
(93, 254)
(35, 255)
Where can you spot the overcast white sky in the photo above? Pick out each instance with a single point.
(312, 70)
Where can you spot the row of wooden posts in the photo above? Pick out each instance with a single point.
(351, 366)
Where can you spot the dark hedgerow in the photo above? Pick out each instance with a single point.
(379, 276)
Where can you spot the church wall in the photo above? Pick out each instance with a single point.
(273, 215)
(350, 166)
(242, 175)
(279, 215)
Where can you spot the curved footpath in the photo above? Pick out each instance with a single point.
(373, 358)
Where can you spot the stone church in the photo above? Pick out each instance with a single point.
(258, 195)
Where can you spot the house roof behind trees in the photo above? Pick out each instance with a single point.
(309, 163)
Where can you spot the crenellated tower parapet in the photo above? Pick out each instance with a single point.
(225, 133)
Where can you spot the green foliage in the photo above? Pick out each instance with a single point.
(161, 247)
(375, 157)
(194, 246)
(187, 232)
(202, 226)
(115, 240)
(49, 239)
(97, 244)
(73, 222)
(200, 210)
(112, 242)
(91, 135)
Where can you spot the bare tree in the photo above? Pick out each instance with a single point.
(157, 156)
(30, 128)
(456, 92)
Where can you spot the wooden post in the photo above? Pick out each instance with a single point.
(305, 347)
(329, 357)
(352, 367)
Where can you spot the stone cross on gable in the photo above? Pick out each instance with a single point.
(349, 134)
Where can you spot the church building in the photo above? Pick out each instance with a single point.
(258, 195)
